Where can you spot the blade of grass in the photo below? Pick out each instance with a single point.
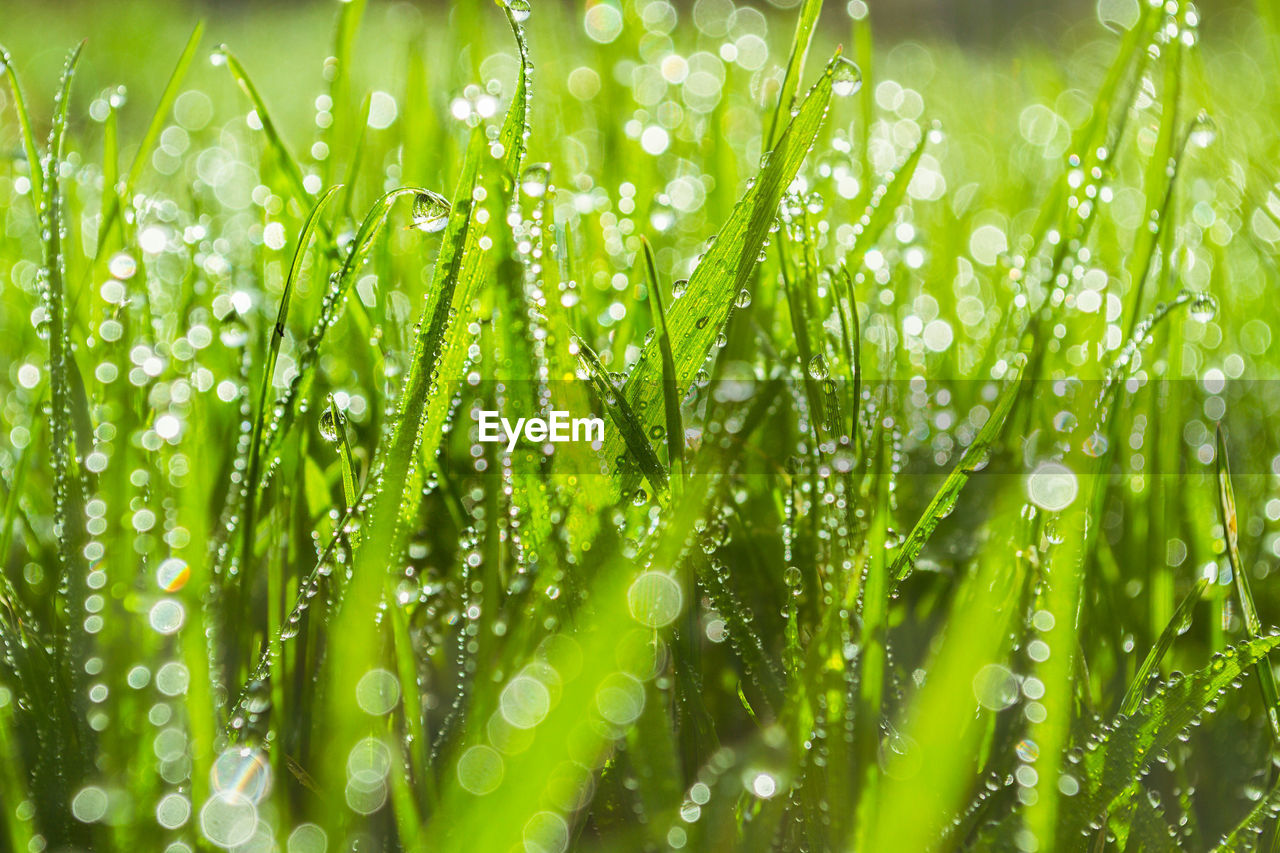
(670, 386)
(973, 459)
(249, 519)
(1177, 625)
(695, 319)
(800, 41)
(630, 427)
(29, 145)
(1248, 609)
(288, 162)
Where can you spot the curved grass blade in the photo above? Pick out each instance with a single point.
(24, 125)
(670, 389)
(335, 299)
(1177, 625)
(973, 459)
(273, 355)
(287, 161)
(1249, 610)
(1246, 836)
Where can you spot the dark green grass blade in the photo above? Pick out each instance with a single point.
(1248, 609)
(1246, 836)
(1177, 625)
(694, 320)
(670, 385)
(973, 459)
(630, 426)
(29, 145)
(1110, 768)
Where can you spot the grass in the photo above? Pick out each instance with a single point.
(913, 527)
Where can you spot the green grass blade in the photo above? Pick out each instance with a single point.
(1248, 609)
(973, 459)
(695, 318)
(161, 116)
(268, 374)
(29, 145)
(1110, 769)
(630, 426)
(1246, 836)
(805, 23)
(288, 162)
(882, 207)
(670, 386)
(1178, 625)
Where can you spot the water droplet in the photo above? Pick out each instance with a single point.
(1205, 130)
(1204, 307)
(678, 288)
(533, 182)
(430, 212)
(520, 10)
(818, 367)
(847, 77)
(329, 426)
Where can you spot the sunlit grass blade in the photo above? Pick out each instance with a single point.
(695, 319)
(882, 207)
(805, 23)
(159, 120)
(939, 726)
(973, 459)
(670, 389)
(288, 162)
(29, 146)
(1244, 594)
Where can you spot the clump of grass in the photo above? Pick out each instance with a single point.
(912, 527)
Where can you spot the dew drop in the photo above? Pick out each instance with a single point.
(430, 212)
(847, 77)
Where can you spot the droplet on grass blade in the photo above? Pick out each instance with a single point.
(1203, 308)
(329, 426)
(818, 368)
(520, 10)
(533, 182)
(1205, 130)
(430, 212)
(847, 77)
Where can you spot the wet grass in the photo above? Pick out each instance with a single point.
(913, 526)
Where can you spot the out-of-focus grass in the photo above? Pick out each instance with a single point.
(908, 519)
